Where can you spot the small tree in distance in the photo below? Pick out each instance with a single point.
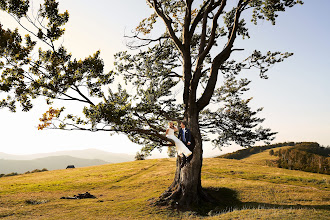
(194, 52)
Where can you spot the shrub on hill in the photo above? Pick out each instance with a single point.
(140, 156)
(15, 173)
(36, 171)
(11, 174)
(241, 154)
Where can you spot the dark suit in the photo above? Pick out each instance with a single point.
(188, 138)
(185, 140)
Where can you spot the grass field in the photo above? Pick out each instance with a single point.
(248, 188)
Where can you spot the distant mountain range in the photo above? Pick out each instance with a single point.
(50, 163)
(59, 160)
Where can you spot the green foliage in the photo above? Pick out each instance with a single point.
(140, 156)
(313, 147)
(56, 20)
(11, 174)
(38, 171)
(268, 10)
(18, 8)
(54, 71)
(171, 152)
(271, 152)
(235, 121)
(306, 157)
(15, 173)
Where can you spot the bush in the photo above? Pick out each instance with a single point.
(271, 152)
(36, 171)
(171, 152)
(140, 156)
(11, 174)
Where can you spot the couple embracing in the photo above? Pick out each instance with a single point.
(183, 142)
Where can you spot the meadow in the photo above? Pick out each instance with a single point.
(246, 189)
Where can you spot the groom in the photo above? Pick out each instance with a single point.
(185, 137)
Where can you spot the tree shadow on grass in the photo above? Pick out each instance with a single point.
(221, 200)
(226, 200)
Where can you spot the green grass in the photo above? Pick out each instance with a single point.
(248, 188)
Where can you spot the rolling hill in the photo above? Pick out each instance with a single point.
(50, 163)
(58, 160)
(248, 189)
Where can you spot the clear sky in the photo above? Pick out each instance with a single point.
(295, 97)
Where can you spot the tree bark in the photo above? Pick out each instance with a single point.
(186, 190)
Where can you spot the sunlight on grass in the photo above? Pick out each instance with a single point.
(123, 191)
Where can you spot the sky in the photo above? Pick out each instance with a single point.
(295, 97)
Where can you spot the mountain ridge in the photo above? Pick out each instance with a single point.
(10, 163)
(90, 153)
(50, 163)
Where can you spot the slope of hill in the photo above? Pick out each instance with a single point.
(124, 191)
(263, 157)
(85, 154)
(305, 156)
(50, 163)
(244, 153)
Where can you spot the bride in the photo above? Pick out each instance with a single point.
(180, 147)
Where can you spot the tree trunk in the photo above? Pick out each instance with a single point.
(186, 190)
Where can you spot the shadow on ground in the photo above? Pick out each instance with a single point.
(226, 200)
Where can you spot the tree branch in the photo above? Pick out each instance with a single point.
(219, 59)
(202, 50)
(168, 23)
(198, 18)
(75, 88)
(147, 41)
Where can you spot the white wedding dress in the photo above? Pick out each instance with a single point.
(180, 147)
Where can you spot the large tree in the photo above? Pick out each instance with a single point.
(193, 53)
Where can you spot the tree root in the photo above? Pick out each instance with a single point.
(175, 198)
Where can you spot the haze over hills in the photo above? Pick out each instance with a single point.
(59, 160)
(84, 154)
(50, 163)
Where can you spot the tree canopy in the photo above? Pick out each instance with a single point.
(193, 29)
(194, 52)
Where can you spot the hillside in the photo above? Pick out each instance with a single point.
(304, 156)
(248, 190)
(246, 152)
(262, 157)
(50, 163)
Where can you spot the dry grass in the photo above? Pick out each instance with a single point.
(248, 190)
